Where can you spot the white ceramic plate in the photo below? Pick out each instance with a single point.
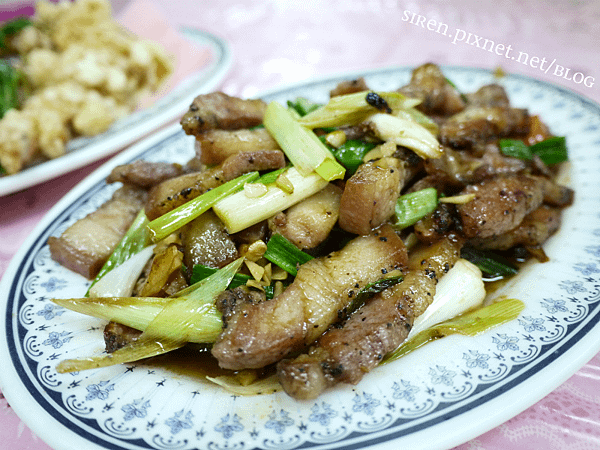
(84, 151)
(446, 393)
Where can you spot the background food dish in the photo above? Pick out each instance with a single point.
(281, 42)
(442, 395)
(205, 59)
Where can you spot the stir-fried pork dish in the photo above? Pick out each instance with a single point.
(317, 234)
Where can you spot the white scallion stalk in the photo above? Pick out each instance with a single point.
(192, 318)
(135, 312)
(407, 133)
(459, 290)
(301, 145)
(120, 281)
(351, 109)
(238, 211)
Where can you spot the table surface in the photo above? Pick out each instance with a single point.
(277, 42)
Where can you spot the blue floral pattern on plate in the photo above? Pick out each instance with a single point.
(443, 394)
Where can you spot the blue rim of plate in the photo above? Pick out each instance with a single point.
(572, 326)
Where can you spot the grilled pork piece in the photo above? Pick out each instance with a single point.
(215, 146)
(480, 124)
(220, 111)
(258, 335)
(308, 223)
(205, 242)
(370, 195)
(241, 163)
(174, 192)
(500, 204)
(349, 87)
(345, 354)
(460, 167)
(438, 96)
(85, 246)
(533, 231)
(492, 95)
(117, 336)
(144, 174)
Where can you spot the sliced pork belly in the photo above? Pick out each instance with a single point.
(500, 204)
(85, 246)
(215, 146)
(174, 192)
(206, 242)
(480, 124)
(533, 231)
(370, 195)
(144, 174)
(257, 335)
(438, 96)
(259, 160)
(492, 95)
(347, 353)
(308, 223)
(349, 87)
(220, 111)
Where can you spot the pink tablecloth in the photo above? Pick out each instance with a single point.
(277, 42)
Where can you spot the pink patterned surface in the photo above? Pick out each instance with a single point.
(276, 42)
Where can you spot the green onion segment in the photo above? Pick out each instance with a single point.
(301, 145)
(551, 151)
(468, 324)
(175, 219)
(490, 263)
(135, 239)
(410, 208)
(351, 153)
(286, 255)
(190, 318)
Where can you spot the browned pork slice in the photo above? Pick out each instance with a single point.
(241, 163)
(174, 192)
(438, 96)
(492, 95)
(500, 204)
(345, 354)
(257, 335)
(460, 167)
(436, 225)
(533, 231)
(144, 174)
(117, 336)
(308, 223)
(85, 246)
(556, 194)
(206, 242)
(480, 124)
(370, 195)
(219, 110)
(349, 87)
(217, 145)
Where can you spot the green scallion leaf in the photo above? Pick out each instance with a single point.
(286, 255)
(175, 219)
(469, 324)
(490, 263)
(552, 150)
(410, 208)
(515, 148)
(371, 289)
(351, 153)
(303, 106)
(200, 272)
